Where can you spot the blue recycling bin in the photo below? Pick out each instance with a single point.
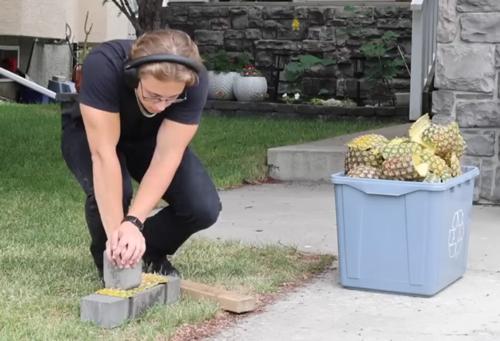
(402, 236)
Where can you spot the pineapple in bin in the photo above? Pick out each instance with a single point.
(430, 153)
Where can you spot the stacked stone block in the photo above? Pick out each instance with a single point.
(111, 311)
(467, 78)
(265, 30)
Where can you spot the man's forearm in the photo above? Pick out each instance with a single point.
(154, 184)
(108, 191)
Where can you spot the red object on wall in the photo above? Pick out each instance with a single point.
(10, 64)
(76, 77)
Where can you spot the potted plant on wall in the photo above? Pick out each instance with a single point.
(250, 85)
(222, 73)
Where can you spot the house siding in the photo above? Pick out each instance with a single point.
(48, 18)
(38, 28)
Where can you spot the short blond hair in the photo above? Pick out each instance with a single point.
(167, 41)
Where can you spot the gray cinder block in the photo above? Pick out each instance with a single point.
(145, 299)
(172, 289)
(105, 311)
(117, 278)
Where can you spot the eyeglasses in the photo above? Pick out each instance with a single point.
(159, 99)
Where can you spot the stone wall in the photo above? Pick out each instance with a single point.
(305, 111)
(467, 76)
(265, 31)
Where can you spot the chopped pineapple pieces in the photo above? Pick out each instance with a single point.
(148, 281)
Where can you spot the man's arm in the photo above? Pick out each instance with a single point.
(172, 141)
(103, 132)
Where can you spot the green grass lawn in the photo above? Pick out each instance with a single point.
(235, 149)
(45, 265)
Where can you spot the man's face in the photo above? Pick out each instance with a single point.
(156, 95)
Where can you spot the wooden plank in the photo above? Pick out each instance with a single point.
(228, 300)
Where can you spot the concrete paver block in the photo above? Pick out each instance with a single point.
(147, 298)
(172, 289)
(105, 311)
(117, 278)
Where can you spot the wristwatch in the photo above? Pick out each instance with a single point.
(135, 221)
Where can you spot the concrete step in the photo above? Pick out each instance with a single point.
(318, 160)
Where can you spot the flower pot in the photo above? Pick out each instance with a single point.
(220, 85)
(251, 88)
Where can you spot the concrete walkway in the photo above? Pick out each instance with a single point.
(317, 160)
(303, 215)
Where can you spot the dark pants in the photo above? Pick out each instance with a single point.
(193, 200)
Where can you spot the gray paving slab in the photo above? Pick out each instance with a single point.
(105, 311)
(126, 278)
(303, 215)
(172, 289)
(143, 300)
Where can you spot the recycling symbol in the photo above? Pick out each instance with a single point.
(456, 234)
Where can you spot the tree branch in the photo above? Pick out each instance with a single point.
(129, 8)
(126, 9)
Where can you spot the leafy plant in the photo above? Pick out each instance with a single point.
(385, 68)
(221, 61)
(295, 70)
(382, 67)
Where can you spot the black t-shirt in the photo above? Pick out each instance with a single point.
(103, 87)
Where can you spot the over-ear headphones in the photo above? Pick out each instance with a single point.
(131, 67)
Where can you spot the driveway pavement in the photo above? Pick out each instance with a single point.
(303, 215)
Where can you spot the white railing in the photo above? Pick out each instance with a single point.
(423, 50)
(26, 82)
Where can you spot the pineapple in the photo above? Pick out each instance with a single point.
(431, 153)
(364, 150)
(417, 130)
(400, 146)
(455, 166)
(459, 142)
(432, 178)
(444, 139)
(437, 166)
(364, 171)
(365, 142)
(405, 167)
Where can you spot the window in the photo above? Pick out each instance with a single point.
(9, 58)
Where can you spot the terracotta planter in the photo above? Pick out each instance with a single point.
(220, 84)
(252, 88)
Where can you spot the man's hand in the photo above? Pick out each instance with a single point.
(127, 245)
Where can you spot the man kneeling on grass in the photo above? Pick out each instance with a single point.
(139, 107)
